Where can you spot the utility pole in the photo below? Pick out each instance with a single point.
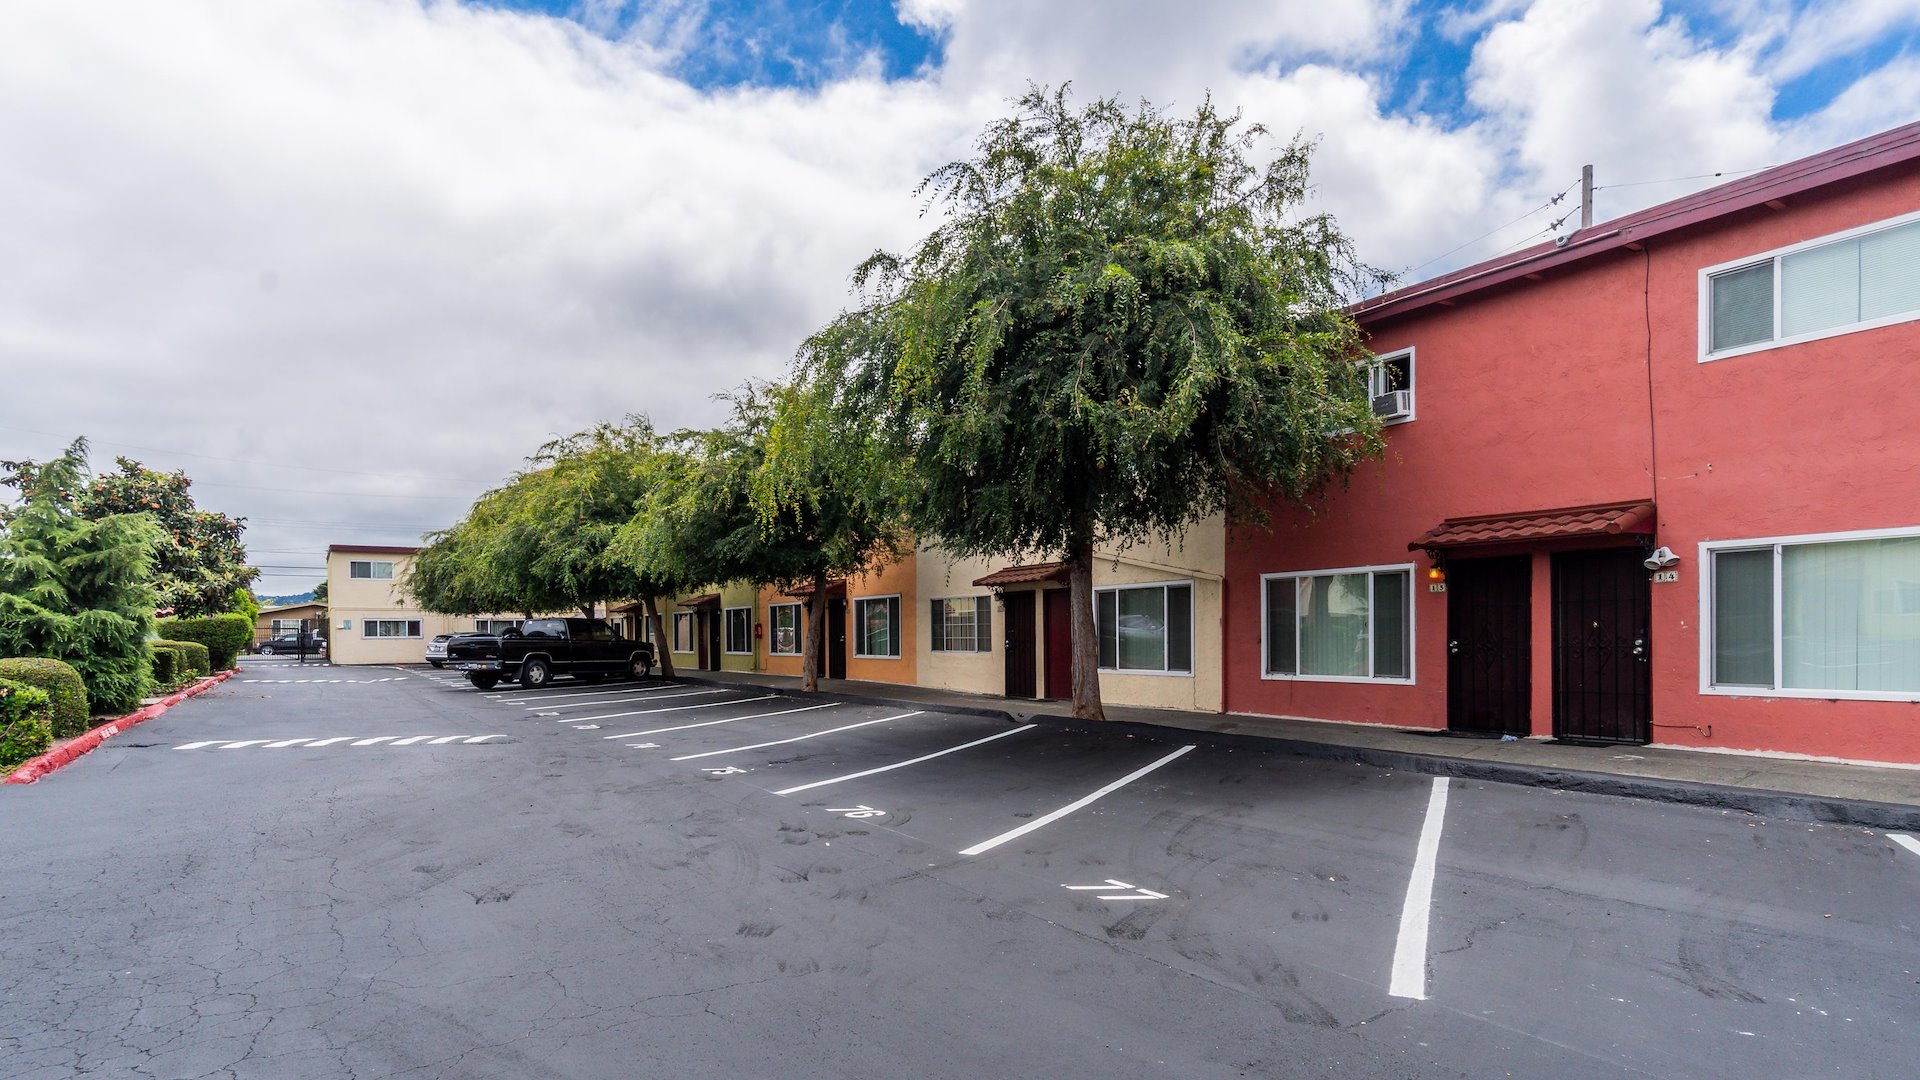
(1586, 197)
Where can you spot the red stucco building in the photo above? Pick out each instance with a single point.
(1733, 377)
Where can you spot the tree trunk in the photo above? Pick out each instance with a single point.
(662, 648)
(1086, 641)
(816, 635)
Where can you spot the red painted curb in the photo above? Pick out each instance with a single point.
(54, 760)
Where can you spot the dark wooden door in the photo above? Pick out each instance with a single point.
(713, 640)
(836, 639)
(1489, 648)
(1602, 681)
(1059, 618)
(1019, 642)
(700, 638)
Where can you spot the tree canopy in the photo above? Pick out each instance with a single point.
(76, 588)
(1122, 327)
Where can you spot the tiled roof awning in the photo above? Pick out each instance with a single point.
(834, 589)
(1024, 575)
(630, 608)
(1567, 523)
(709, 600)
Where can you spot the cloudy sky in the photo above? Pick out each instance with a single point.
(348, 261)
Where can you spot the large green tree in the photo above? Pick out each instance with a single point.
(199, 562)
(781, 494)
(1122, 327)
(541, 542)
(76, 588)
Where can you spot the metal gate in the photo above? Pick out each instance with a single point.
(1602, 681)
(1489, 647)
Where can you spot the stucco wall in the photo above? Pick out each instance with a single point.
(1557, 393)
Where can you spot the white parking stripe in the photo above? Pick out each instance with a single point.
(1410, 954)
(370, 742)
(904, 764)
(711, 723)
(197, 745)
(283, 742)
(329, 742)
(243, 742)
(795, 739)
(1048, 819)
(484, 738)
(617, 701)
(674, 708)
(1905, 841)
(411, 739)
(549, 695)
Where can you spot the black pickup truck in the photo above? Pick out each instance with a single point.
(587, 649)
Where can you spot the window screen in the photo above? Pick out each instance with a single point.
(1742, 306)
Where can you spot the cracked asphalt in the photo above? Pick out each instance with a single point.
(569, 900)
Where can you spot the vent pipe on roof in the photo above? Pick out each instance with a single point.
(1586, 197)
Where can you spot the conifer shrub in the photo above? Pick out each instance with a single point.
(67, 695)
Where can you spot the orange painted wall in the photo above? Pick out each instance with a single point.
(1539, 396)
(894, 577)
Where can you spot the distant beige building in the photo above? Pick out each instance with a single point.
(286, 619)
(371, 620)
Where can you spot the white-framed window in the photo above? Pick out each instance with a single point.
(876, 621)
(683, 631)
(783, 629)
(389, 628)
(1850, 281)
(370, 570)
(738, 625)
(285, 626)
(1390, 386)
(1828, 615)
(962, 624)
(1353, 624)
(1145, 629)
(495, 626)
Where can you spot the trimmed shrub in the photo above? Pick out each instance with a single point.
(166, 664)
(223, 635)
(197, 658)
(67, 694)
(26, 729)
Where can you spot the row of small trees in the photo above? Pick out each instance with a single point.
(1121, 327)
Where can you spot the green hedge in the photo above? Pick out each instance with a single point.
(68, 694)
(26, 725)
(197, 657)
(169, 665)
(223, 635)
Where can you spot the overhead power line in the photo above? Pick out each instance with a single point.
(1564, 192)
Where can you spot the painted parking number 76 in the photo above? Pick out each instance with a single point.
(857, 811)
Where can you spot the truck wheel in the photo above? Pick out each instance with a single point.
(535, 673)
(485, 680)
(639, 667)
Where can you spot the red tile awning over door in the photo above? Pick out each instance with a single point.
(1033, 574)
(709, 600)
(834, 590)
(1565, 523)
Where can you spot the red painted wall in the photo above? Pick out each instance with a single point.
(1556, 393)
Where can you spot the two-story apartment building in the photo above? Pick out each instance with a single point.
(371, 619)
(1657, 482)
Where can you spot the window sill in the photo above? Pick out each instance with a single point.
(1154, 674)
(1811, 695)
(1355, 680)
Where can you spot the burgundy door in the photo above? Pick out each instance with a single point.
(1602, 683)
(1020, 656)
(1059, 644)
(1489, 645)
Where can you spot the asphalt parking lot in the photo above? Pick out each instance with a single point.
(371, 872)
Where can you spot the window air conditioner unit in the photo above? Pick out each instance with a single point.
(1394, 405)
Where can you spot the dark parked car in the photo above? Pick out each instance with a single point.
(293, 645)
(587, 649)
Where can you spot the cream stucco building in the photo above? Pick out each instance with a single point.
(370, 619)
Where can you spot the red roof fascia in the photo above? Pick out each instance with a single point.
(1565, 523)
(833, 589)
(1898, 146)
(709, 600)
(373, 549)
(1024, 575)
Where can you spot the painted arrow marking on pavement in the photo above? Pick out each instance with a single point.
(1137, 892)
(1905, 841)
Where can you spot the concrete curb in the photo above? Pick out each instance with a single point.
(60, 757)
(1895, 817)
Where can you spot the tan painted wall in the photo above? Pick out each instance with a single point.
(938, 576)
(351, 601)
